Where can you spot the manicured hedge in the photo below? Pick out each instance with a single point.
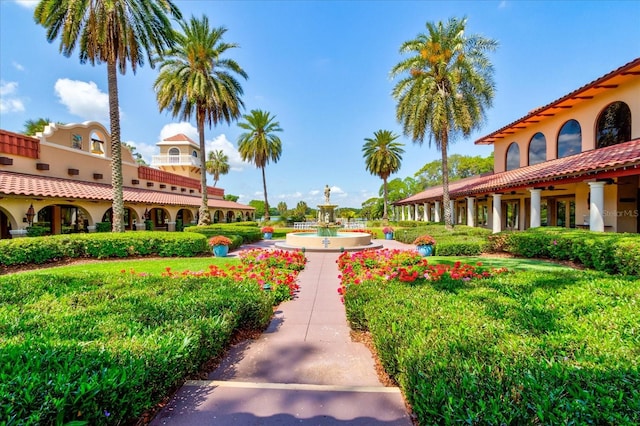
(102, 349)
(610, 252)
(461, 241)
(248, 232)
(100, 245)
(521, 348)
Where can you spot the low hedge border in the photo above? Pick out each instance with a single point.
(239, 233)
(462, 241)
(608, 252)
(51, 248)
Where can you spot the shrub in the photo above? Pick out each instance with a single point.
(103, 227)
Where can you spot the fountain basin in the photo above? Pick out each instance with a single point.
(347, 241)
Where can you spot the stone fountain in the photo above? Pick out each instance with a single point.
(327, 236)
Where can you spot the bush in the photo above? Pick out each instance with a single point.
(100, 245)
(103, 226)
(240, 233)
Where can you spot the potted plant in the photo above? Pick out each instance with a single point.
(219, 245)
(388, 233)
(424, 244)
(268, 232)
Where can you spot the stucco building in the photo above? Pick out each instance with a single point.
(572, 163)
(61, 180)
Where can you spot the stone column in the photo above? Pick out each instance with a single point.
(454, 214)
(471, 217)
(535, 207)
(425, 206)
(596, 216)
(417, 215)
(436, 214)
(497, 213)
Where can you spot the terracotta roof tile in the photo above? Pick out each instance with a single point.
(581, 165)
(40, 186)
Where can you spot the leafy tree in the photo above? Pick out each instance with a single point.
(460, 167)
(383, 157)
(230, 197)
(282, 208)
(301, 210)
(115, 32)
(372, 208)
(446, 85)
(195, 79)
(31, 127)
(218, 164)
(135, 154)
(259, 144)
(259, 206)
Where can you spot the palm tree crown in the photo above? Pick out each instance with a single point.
(260, 145)
(116, 32)
(195, 80)
(446, 85)
(383, 156)
(217, 164)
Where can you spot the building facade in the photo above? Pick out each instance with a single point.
(572, 163)
(60, 180)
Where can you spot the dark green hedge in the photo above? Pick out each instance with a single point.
(461, 241)
(100, 245)
(248, 232)
(609, 252)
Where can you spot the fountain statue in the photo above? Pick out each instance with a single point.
(327, 237)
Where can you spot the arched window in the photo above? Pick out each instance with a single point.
(174, 151)
(194, 153)
(537, 149)
(513, 156)
(569, 139)
(614, 125)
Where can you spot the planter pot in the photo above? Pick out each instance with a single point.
(268, 235)
(388, 236)
(220, 251)
(425, 250)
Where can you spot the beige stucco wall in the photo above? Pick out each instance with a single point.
(586, 113)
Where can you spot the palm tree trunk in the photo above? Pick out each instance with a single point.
(266, 199)
(385, 216)
(204, 217)
(116, 150)
(448, 222)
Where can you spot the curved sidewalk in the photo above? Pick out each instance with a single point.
(304, 369)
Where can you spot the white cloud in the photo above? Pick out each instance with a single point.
(183, 127)
(235, 160)
(17, 66)
(83, 99)
(9, 101)
(29, 4)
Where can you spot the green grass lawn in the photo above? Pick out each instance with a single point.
(512, 263)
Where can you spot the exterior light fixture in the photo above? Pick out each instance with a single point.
(31, 213)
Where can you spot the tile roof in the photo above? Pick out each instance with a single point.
(583, 165)
(40, 186)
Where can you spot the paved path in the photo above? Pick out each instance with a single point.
(304, 369)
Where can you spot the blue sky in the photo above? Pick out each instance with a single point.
(322, 67)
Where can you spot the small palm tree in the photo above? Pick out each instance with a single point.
(446, 85)
(383, 156)
(259, 145)
(31, 127)
(115, 32)
(217, 164)
(194, 79)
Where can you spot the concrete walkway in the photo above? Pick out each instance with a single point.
(304, 369)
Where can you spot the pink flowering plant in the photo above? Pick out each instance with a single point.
(387, 230)
(406, 266)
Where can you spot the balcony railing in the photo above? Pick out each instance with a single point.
(174, 160)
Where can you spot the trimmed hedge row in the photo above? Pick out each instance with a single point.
(239, 233)
(100, 349)
(522, 348)
(609, 252)
(462, 241)
(45, 249)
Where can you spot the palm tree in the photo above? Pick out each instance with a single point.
(31, 127)
(446, 85)
(382, 156)
(259, 144)
(217, 164)
(116, 32)
(195, 80)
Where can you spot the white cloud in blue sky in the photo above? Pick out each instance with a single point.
(83, 99)
(9, 100)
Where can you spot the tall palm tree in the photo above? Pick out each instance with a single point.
(115, 32)
(259, 144)
(217, 164)
(383, 156)
(195, 79)
(446, 85)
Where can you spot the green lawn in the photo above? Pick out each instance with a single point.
(499, 262)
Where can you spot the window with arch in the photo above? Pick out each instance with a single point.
(513, 156)
(569, 139)
(537, 149)
(174, 155)
(614, 125)
(194, 153)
